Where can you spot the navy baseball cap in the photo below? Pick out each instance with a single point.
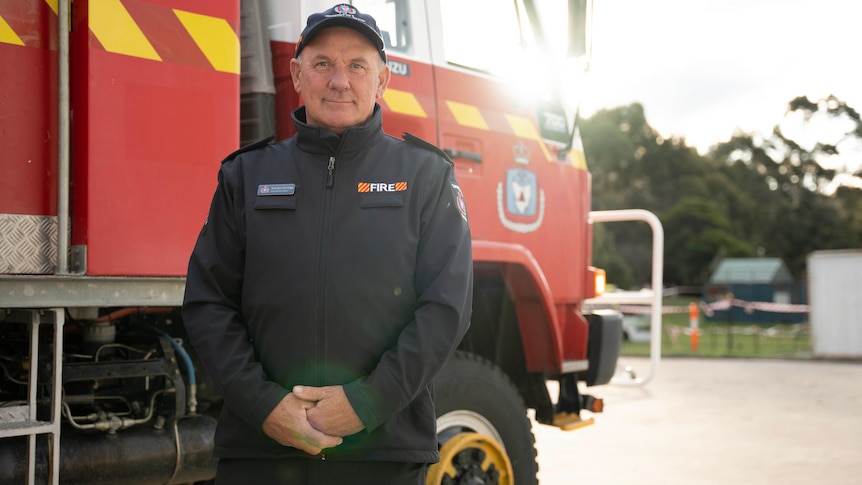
(342, 15)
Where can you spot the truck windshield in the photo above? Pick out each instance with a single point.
(524, 43)
(497, 37)
(392, 18)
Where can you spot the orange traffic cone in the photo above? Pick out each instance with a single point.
(692, 321)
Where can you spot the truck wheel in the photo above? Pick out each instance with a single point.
(482, 427)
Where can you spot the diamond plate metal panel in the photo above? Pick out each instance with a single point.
(28, 244)
(14, 414)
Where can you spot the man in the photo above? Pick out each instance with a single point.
(331, 282)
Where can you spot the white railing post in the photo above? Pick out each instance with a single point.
(652, 297)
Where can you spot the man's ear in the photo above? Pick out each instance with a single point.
(295, 66)
(383, 81)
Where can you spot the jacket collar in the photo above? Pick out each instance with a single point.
(315, 139)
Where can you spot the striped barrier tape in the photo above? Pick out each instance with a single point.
(708, 309)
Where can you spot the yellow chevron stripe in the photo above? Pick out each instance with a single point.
(7, 35)
(577, 159)
(111, 23)
(403, 102)
(467, 115)
(215, 37)
(54, 6)
(524, 128)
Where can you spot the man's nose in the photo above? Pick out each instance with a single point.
(339, 80)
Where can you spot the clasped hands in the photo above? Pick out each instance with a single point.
(312, 419)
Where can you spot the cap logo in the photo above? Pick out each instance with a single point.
(345, 10)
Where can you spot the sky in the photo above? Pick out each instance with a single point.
(705, 68)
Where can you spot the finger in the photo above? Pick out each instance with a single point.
(309, 393)
(307, 447)
(301, 401)
(319, 439)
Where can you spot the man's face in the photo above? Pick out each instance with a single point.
(340, 76)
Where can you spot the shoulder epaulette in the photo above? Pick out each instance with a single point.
(419, 142)
(250, 147)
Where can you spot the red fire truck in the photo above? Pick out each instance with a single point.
(114, 116)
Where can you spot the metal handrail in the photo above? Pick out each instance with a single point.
(63, 137)
(652, 296)
(22, 421)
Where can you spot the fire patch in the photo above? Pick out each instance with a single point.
(364, 187)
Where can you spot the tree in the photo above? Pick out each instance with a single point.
(634, 167)
(778, 195)
(607, 256)
(696, 232)
(796, 211)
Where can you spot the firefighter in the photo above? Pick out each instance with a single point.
(331, 281)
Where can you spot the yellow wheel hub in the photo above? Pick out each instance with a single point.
(471, 458)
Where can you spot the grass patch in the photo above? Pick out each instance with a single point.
(723, 339)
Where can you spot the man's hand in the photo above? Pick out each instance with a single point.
(333, 413)
(289, 425)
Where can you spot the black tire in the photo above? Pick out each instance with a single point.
(480, 412)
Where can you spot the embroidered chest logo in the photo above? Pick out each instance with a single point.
(381, 187)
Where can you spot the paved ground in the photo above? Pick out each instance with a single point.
(717, 421)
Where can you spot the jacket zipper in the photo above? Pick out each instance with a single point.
(321, 285)
(329, 178)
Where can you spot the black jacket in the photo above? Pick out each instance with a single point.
(330, 260)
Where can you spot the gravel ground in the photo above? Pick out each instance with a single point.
(722, 421)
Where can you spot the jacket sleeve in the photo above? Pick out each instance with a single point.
(213, 303)
(444, 287)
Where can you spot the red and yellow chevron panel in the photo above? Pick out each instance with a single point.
(133, 28)
(29, 23)
(160, 33)
(155, 92)
(471, 116)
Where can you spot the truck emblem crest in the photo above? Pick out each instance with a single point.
(520, 198)
(523, 200)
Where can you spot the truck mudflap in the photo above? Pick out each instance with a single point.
(178, 452)
(606, 335)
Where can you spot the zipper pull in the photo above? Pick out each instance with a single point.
(330, 168)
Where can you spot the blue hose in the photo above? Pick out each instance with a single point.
(187, 363)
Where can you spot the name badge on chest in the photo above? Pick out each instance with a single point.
(276, 189)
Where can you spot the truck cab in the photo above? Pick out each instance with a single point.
(110, 153)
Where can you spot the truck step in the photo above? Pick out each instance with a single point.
(571, 421)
